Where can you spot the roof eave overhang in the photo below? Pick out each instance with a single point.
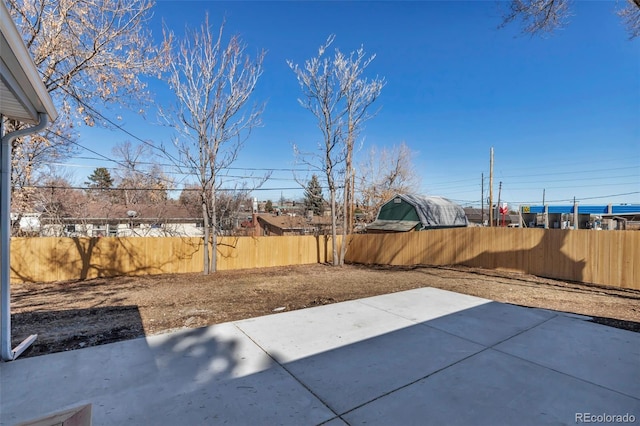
(23, 94)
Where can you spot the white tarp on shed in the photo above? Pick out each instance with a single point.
(437, 211)
(433, 211)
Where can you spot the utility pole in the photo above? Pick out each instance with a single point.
(491, 189)
(499, 194)
(545, 212)
(482, 202)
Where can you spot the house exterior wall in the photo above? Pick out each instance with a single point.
(122, 230)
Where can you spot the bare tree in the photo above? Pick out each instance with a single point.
(335, 92)
(191, 199)
(359, 94)
(383, 174)
(58, 200)
(229, 205)
(212, 81)
(140, 179)
(90, 54)
(546, 16)
(538, 15)
(631, 17)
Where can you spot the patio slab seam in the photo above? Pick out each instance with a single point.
(492, 346)
(426, 323)
(414, 381)
(566, 374)
(281, 365)
(486, 348)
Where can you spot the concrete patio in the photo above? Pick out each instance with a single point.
(424, 356)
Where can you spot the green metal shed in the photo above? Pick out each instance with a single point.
(407, 212)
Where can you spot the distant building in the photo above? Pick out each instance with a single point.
(477, 218)
(117, 220)
(267, 224)
(605, 217)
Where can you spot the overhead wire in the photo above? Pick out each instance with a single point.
(118, 126)
(441, 186)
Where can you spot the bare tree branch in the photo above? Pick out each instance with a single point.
(546, 16)
(212, 82)
(631, 17)
(336, 93)
(383, 174)
(538, 16)
(89, 53)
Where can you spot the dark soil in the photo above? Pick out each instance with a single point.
(72, 315)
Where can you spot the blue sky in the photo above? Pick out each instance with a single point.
(562, 112)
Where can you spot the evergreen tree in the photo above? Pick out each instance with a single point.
(99, 182)
(99, 179)
(268, 207)
(313, 199)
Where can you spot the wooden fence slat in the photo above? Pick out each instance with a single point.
(599, 257)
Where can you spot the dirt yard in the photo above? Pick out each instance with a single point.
(72, 315)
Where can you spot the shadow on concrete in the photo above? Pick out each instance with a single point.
(209, 375)
(350, 376)
(222, 375)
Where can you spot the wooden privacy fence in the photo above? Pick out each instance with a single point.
(600, 257)
(57, 259)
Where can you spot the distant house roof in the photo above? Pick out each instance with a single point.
(404, 212)
(169, 210)
(284, 222)
(293, 223)
(476, 215)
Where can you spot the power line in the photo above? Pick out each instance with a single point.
(571, 180)
(118, 126)
(114, 161)
(580, 199)
(573, 172)
(582, 162)
(575, 186)
(150, 163)
(87, 188)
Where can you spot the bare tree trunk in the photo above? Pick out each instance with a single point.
(338, 96)
(212, 83)
(334, 243)
(214, 231)
(205, 217)
(347, 220)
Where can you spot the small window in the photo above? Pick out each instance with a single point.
(397, 200)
